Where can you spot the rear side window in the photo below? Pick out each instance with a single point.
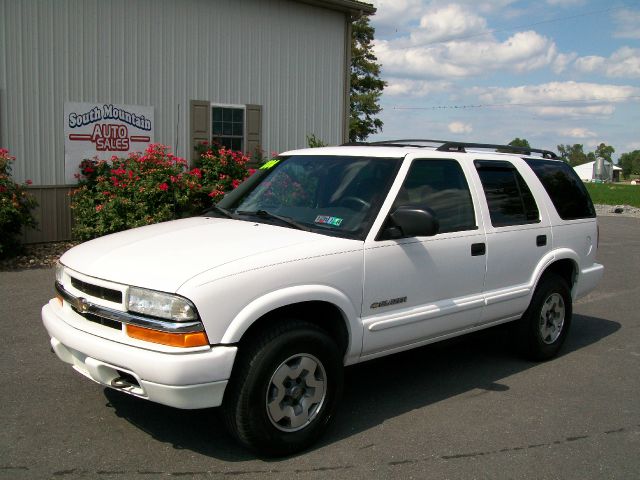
(565, 188)
(508, 196)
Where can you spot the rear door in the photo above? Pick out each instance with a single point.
(518, 236)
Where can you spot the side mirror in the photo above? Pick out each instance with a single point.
(413, 221)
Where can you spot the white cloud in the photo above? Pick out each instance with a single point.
(447, 23)
(562, 61)
(575, 112)
(627, 22)
(558, 91)
(414, 88)
(459, 127)
(522, 52)
(624, 62)
(589, 63)
(396, 13)
(400, 13)
(560, 99)
(578, 133)
(445, 40)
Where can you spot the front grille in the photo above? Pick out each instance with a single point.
(99, 320)
(97, 291)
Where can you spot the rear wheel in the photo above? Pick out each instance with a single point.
(284, 388)
(544, 326)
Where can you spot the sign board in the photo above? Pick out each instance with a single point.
(102, 130)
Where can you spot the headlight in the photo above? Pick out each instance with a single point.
(59, 272)
(162, 305)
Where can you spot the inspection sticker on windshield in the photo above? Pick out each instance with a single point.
(326, 220)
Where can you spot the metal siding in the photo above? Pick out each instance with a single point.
(52, 214)
(283, 55)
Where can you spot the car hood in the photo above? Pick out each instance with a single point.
(166, 255)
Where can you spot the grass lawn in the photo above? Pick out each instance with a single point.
(614, 194)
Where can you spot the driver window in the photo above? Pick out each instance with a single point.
(441, 186)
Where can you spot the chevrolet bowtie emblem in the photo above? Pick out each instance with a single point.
(82, 305)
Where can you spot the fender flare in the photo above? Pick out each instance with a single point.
(298, 294)
(550, 258)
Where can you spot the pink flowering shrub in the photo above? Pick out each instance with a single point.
(150, 187)
(16, 207)
(221, 170)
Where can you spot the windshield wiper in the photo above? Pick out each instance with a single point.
(220, 210)
(286, 220)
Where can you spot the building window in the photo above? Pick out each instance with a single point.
(238, 127)
(227, 126)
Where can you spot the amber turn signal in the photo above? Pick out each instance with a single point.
(196, 339)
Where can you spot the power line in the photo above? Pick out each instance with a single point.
(489, 32)
(536, 104)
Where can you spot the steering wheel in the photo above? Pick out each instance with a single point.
(359, 203)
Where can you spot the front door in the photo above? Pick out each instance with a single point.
(420, 288)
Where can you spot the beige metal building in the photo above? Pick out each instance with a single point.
(245, 72)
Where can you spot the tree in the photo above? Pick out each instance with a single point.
(574, 154)
(516, 142)
(520, 142)
(366, 85)
(630, 163)
(604, 151)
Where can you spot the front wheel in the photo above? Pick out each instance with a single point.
(544, 326)
(284, 388)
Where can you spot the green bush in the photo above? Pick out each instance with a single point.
(314, 142)
(150, 187)
(16, 207)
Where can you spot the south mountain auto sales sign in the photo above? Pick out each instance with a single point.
(102, 130)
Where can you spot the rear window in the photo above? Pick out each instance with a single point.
(566, 190)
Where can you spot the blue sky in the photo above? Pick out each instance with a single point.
(550, 71)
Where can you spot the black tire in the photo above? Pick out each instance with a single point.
(543, 328)
(282, 349)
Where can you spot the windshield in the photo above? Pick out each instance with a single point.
(334, 195)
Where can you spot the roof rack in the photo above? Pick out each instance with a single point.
(453, 146)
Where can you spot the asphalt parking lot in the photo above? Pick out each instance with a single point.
(468, 408)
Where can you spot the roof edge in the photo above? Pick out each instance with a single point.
(353, 7)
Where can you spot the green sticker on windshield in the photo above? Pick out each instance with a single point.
(327, 220)
(269, 164)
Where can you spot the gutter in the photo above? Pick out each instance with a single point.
(353, 7)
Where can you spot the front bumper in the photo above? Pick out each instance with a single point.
(187, 380)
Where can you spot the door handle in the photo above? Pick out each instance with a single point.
(541, 240)
(478, 249)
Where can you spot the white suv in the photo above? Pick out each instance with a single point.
(324, 258)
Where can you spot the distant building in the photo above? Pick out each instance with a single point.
(101, 77)
(587, 172)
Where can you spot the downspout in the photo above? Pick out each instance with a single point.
(347, 73)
